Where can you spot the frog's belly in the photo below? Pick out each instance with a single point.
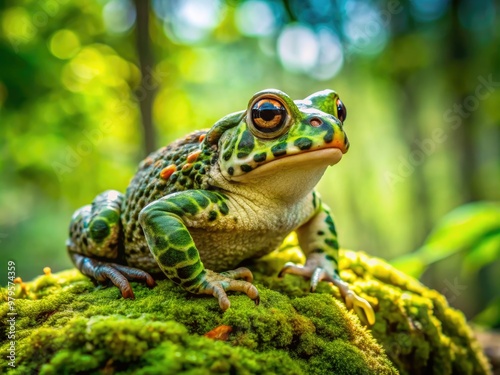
(219, 250)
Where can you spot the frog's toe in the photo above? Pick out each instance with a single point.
(218, 284)
(361, 306)
(220, 289)
(239, 273)
(103, 272)
(319, 274)
(315, 274)
(118, 274)
(135, 274)
(352, 301)
(294, 269)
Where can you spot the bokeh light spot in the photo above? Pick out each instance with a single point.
(64, 44)
(189, 21)
(17, 26)
(256, 18)
(316, 53)
(88, 64)
(298, 48)
(119, 16)
(330, 57)
(366, 28)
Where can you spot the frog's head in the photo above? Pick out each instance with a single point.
(276, 136)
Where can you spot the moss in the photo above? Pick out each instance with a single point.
(66, 325)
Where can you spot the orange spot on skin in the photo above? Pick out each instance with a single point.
(47, 271)
(202, 137)
(167, 171)
(340, 144)
(186, 166)
(158, 163)
(219, 333)
(193, 156)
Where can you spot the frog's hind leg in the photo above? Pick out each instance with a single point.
(94, 244)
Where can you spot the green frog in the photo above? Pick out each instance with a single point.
(203, 204)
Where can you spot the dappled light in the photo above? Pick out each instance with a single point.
(420, 80)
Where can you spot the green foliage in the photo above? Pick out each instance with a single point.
(473, 228)
(471, 232)
(71, 91)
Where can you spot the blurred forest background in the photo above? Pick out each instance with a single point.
(89, 87)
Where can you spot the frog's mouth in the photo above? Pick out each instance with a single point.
(313, 161)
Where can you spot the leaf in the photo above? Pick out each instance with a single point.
(486, 252)
(464, 226)
(219, 333)
(463, 229)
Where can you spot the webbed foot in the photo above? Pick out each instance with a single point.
(118, 274)
(217, 284)
(316, 274)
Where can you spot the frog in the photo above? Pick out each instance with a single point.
(200, 206)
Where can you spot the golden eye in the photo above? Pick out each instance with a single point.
(341, 111)
(268, 115)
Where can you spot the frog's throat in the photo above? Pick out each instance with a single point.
(305, 163)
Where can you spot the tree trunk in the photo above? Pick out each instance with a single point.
(146, 92)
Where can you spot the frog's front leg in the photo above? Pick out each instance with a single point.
(318, 240)
(173, 248)
(94, 244)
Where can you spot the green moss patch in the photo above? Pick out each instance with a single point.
(64, 324)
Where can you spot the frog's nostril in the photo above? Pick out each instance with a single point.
(315, 122)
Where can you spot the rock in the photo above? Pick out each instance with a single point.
(64, 324)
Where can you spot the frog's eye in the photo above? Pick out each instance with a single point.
(341, 111)
(268, 116)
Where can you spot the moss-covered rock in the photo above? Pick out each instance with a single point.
(64, 324)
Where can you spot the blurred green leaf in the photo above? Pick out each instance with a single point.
(490, 316)
(486, 252)
(474, 228)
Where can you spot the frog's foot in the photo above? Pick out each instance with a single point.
(217, 284)
(352, 301)
(118, 274)
(316, 274)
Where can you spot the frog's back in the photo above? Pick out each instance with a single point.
(179, 166)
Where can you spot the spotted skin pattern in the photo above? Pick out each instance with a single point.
(96, 228)
(169, 239)
(200, 206)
